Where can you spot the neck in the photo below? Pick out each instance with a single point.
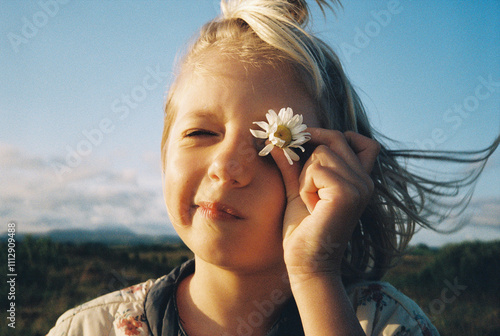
(218, 301)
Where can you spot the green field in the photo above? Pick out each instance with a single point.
(458, 286)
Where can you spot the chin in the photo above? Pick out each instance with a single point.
(233, 249)
(238, 260)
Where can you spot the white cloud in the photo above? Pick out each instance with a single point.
(94, 195)
(470, 232)
(486, 212)
(482, 222)
(38, 198)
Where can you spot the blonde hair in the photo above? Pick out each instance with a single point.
(274, 32)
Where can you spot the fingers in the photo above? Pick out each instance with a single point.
(337, 143)
(326, 196)
(332, 199)
(328, 176)
(296, 209)
(348, 157)
(356, 153)
(365, 148)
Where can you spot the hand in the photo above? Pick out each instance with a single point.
(325, 200)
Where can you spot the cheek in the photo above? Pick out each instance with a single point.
(178, 185)
(171, 191)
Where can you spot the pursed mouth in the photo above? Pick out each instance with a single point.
(217, 210)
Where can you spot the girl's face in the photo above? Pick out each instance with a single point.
(225, 201)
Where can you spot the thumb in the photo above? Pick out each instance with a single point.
(296, 210)
(289, 172)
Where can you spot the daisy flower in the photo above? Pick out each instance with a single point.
(284, 130)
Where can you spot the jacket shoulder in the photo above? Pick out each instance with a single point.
(383, 310)
(111, 314)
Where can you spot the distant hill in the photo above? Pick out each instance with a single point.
(110, 236)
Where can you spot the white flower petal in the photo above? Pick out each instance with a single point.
(301, 118)
(285, 118)
(262, 124)
(266, 150)
(272, 129)
(285, 115)
(300, 140)
(288, 157)
(297, 143)
(259, 134)
(271, 117)
(301, 148)
(293, 122)
(299, 128)
(276, 141)
(301, 135)
(292, 154)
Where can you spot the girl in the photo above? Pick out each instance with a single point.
(284, 245)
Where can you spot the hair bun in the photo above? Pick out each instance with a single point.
(296, 12)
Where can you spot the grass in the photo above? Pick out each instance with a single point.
(53, 277)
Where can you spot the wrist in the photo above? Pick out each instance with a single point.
(299, 276)
(324, 260)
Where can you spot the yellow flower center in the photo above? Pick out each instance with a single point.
(284, 134)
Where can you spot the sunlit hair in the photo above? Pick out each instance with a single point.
(274, 33)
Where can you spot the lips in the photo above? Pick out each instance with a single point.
(219, 211)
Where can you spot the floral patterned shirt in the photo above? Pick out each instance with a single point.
(149, 309)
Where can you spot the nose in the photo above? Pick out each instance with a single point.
(234, 162)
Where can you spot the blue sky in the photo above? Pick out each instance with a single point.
(83, 83)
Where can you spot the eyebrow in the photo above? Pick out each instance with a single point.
(203, 114)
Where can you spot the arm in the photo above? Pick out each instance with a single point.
(324, 306)
(325, 200)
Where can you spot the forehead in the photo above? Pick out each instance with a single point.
(222, 83)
